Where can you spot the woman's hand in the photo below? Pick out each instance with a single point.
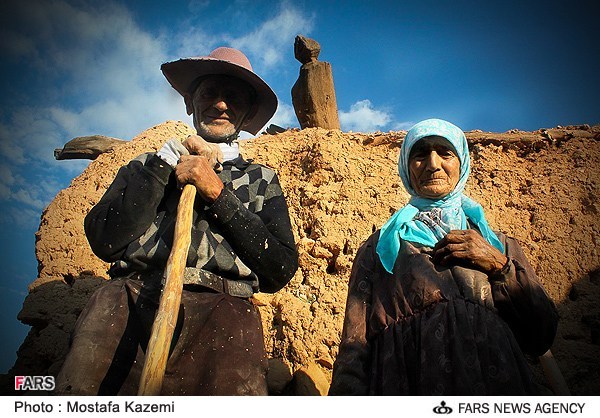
(468, 247)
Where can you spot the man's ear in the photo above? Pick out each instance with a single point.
(189, 106)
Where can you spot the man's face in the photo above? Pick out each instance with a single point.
(219, 106)
(434, 167)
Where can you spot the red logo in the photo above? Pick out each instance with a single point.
(34, 382)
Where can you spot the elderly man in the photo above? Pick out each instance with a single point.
(242, 242)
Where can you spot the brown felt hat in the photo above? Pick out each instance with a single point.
(182, 74)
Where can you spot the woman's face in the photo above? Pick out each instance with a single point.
(434, 167)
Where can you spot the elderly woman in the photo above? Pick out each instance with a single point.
(437, 302)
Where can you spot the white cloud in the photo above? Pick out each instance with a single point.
(122, 117)
(402, 126)
(51, 35)
(285, 116)
(29, 193)
(6, 181)
(23, 217)
(4, 191)
(266, 45)
(111, 65)
(22, 200)
(192, 40)
(102, 75)
(29, 198)
(30, 137)
(100, 60)
(14, 154)
(363, 117)
(6, 176)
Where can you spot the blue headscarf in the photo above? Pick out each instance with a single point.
(426, 221)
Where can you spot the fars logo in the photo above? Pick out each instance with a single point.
(34, 382)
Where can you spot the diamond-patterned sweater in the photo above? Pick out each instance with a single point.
(244, 235)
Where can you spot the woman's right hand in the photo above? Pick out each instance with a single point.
(468, 247)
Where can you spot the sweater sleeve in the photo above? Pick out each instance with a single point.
(128, 207)
(264, 240)
(351, 370)
(523, 303)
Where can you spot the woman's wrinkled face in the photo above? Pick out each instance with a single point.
(434, 167)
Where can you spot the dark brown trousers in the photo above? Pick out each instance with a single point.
(217, 349)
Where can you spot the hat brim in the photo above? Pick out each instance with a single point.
(182, 73)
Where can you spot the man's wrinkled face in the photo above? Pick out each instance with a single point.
(219, 106)
(434, 167)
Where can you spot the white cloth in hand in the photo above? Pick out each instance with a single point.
(171, 151)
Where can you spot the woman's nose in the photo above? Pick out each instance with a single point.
(434, 161)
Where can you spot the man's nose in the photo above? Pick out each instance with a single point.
(221, 104)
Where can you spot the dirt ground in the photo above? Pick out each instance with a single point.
(540, 187)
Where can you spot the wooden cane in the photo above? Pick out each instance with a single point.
(553, 374)
(161, 336)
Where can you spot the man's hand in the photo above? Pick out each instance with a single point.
(469, 248)
(197, 170)
(198, 146)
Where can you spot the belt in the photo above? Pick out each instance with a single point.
(196, 276)
(193, 276)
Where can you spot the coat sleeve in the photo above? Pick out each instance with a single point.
(128, 206)
(264, 240)
(523, 303)
(351, 371)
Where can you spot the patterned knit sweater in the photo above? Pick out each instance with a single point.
(245, 235)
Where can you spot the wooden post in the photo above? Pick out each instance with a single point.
(161, 336)
(313, 94)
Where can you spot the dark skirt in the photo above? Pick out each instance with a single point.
(453, 348)
(217, 348)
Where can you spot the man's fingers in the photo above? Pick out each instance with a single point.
(196, 145)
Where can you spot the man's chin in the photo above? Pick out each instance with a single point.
(215, 133)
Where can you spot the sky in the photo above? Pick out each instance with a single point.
(71, 68)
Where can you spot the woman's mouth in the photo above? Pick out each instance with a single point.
(436, 180)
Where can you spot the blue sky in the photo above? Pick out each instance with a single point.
(79, 67)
